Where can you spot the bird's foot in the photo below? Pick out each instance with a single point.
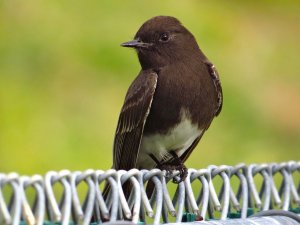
(169, 168)
(174, 164)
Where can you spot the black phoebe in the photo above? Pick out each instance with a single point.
(170, 104)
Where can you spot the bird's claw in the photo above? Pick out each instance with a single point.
(169, 168)
(174, 164)
(182, 174)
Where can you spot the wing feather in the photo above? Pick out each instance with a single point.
(217, 83)
(132, 120)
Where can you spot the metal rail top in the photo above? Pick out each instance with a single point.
(215, 192)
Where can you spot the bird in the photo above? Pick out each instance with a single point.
(170, 104)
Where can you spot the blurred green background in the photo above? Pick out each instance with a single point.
(63, 78)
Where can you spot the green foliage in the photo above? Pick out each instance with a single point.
(63, 78)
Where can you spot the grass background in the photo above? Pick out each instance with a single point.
(63, 78)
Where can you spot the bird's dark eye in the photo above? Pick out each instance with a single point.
(164, 37)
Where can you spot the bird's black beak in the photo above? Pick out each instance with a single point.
(136, 44)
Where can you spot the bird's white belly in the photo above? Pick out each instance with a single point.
(178, 139)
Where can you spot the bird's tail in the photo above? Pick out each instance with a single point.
(126, 187)
(106, 192)
(149, 189)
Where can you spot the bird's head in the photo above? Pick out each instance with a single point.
(162, 40)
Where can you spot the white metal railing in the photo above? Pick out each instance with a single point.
(214, 192)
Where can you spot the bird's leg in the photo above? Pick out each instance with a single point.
(162, 166)
(174, 163)
(177, 164)
(154, 159)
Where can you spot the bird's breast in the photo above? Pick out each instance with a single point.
(181, 87)
(178, 138)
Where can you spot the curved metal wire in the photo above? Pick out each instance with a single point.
(215, 198)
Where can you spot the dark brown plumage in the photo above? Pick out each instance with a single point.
(171, 103)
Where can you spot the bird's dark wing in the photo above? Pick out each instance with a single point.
(217, 83)
(187, 153)
(132, 120)
(216, 80)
